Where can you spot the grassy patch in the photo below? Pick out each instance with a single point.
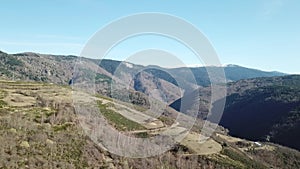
(40, 114)
(100, 78)
(3, 94)
(140, 108)
(226, 162)
(166, 120)
(142, 135)
(117, 120)
(2, 103)
(134, 106)
(110, 104)
(61, 127)
(104, 97)
(242, 159)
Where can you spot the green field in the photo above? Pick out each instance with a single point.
(117, 120)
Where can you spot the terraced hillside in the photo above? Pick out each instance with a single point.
(39, 128)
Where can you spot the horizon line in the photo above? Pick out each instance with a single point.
(178, 66)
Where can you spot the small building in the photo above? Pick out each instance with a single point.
(258, 144)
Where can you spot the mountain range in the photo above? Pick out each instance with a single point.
(60, 70)
(268, 99)
(260, 106)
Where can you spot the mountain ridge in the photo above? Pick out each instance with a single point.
(53, 112)
(271, 103)
(60, 69)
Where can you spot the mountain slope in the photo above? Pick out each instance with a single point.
(60, 70)
(235, 73)
(40, 129)
(265, 109)
(44, 68)
(232, 73)
(156, 88)
(273, 109)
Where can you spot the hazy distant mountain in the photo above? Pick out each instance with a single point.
(235, 73)
(232, 73)
(186, 79)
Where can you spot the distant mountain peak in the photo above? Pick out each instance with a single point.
(231, 65)
(27, 54)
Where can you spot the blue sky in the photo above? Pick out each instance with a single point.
(263, 34)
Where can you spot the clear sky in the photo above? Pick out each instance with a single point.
(263, 34)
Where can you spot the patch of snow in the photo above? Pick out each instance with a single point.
(128, 65)
(258, 144)
(230, 65)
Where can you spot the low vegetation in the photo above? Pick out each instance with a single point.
(242, 159)
(101, 78)
(117, 120)
(47, 135)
